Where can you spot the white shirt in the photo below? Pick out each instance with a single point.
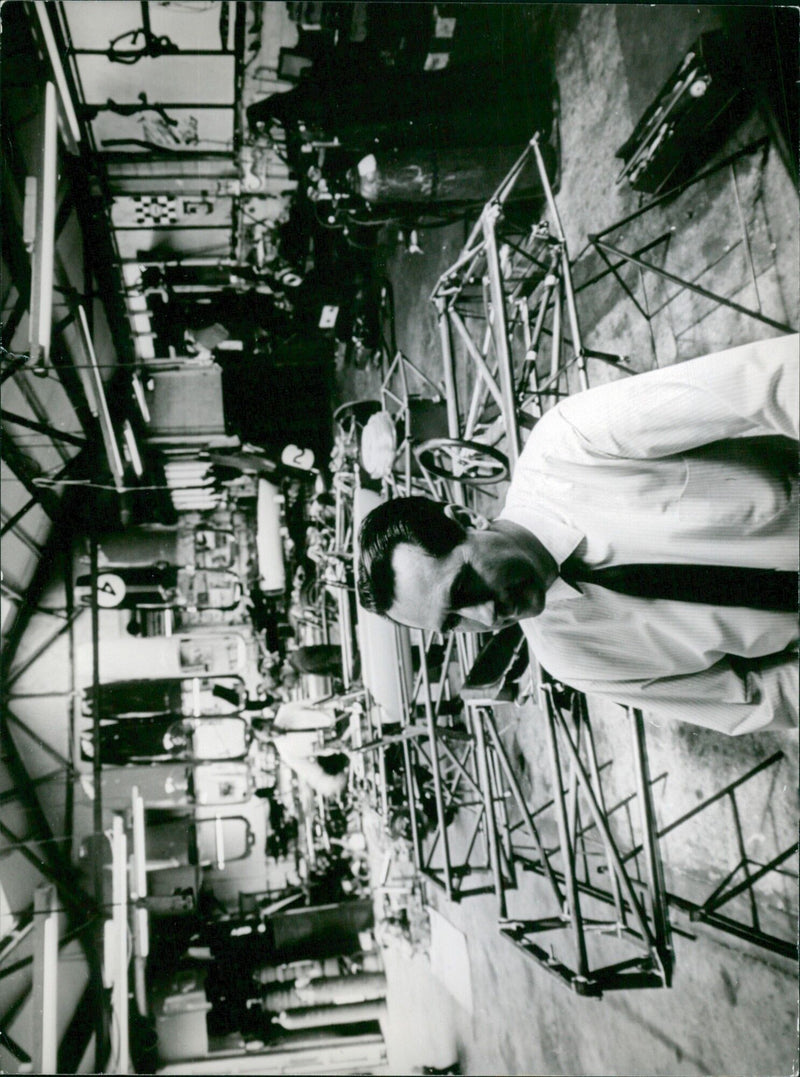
(303, 715)
(671, 466)
(298, 751)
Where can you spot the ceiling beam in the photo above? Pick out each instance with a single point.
(14, 674)
(42, 428)
(79, 1032)
(11, 522)
(12, 322)
(14, 1048)
(25, 539)
(28, 471)
(40, 742)
(14, 794)
(57, 542)
(74, 898)
(57, 868)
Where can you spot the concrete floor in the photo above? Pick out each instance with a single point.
(732, 1008)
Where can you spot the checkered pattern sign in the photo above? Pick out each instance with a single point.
(154, 209)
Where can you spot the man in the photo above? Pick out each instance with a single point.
(322, 768)
(684, 466)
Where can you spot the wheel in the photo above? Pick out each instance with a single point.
(467, 462)
(354, 413)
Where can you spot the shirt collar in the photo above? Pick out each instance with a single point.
(560, 539)
(559, 591)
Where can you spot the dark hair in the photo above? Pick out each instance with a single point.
(416, 520)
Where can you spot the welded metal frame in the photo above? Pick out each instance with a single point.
(520, 284)
(637, 907)
(395, 398)
(457, 765)
(414, 467)
(450, 757)
(752, 871)
(606, 249)
(513, 279)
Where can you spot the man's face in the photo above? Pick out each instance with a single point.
(487, 582)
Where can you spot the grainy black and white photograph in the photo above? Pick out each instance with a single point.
(399, 538)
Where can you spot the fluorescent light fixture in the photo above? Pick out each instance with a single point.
(133, 448)
(44, 990)
(116, 949)
(70, 128)
(141, 936)
(141, 399)
(41, 304)
(99, 405)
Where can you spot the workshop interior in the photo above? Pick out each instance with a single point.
(264, 266)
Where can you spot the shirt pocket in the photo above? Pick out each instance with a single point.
(735, 485)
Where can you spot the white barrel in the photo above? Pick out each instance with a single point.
(271, 567)
(382, 644)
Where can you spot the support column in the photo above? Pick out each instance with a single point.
(45, 980)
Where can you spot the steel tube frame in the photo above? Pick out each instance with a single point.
(451, 397)
(557, 295)
(479, 359)
(527, 816)
(726, 790)
(650, 968)
(500, 333)
(434, 761)
(610, 248)
(572, 903)
(602, 825)
(488, 792)
(708, 911)
(653, 866)
(449, 876)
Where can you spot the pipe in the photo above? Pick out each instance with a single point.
(318, 1016)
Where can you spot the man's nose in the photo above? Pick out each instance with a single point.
(482, 614)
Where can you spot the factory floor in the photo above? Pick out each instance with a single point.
(732, 1007)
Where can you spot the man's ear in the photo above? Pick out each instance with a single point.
(465, 517)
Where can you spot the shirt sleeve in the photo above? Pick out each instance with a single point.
(733, 701)
(748, 391)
